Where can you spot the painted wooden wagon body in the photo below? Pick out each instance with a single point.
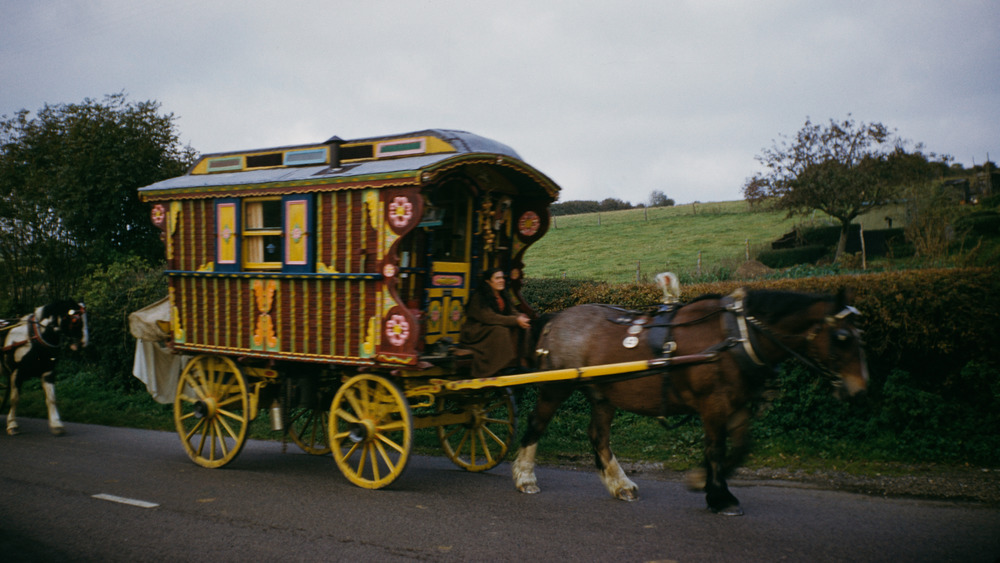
(326, 282)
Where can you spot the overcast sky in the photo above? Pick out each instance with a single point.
(610, 99)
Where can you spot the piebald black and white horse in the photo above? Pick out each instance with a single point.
(31, 348)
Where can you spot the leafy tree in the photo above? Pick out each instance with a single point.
(575, 207)
(659, 199)
(843, 169)
(614, 204)
(68, 180)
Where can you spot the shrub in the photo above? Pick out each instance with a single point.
(111, 293)
(785, 257)
(985, 223)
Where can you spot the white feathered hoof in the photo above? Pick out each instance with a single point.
(57, 431)
(13, 430)
(523, 470)
(618, 484)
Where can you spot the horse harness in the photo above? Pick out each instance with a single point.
(36, 330)
(743, 335)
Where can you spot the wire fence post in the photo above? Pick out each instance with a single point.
(638, 270)
(699, 263)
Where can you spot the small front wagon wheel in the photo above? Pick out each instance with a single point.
(371, 431)
(481, 441)
(211, 410)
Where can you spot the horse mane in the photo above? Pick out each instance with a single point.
(772, 305)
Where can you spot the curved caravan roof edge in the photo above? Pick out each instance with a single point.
(376, 161)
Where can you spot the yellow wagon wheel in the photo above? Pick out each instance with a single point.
(482, 441)
(308, 429)
(371, 431)
(211, 410)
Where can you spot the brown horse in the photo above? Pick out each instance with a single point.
(719, 352)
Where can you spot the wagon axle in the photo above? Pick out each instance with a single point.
(204, 408)
(361, 431)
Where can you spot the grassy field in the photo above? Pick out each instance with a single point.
(693, 240)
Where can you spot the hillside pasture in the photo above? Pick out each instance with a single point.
(615, 246)
(611, 246)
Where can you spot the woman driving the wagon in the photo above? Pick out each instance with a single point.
(493, 329)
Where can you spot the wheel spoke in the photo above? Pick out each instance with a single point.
(465, 436)
(233, 415)
(344, 456)
(201, 441)
(386, 440)
(194, 429)
(230, 400)
(485, 448)
(393, 426)
(346, 416)
(359, 472)
(352, 399)
(221, 422)
(488, 432)
(217, 430)
(376, 474)
(450, 433)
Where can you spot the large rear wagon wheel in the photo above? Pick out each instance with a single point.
(371, 431)
(212, 410)
(483, 440)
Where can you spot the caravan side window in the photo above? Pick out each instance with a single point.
(262, 234)
(270, 234)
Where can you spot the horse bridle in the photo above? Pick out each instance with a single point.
(37, 335)
(813, 364)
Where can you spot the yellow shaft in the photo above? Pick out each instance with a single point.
(585, 372)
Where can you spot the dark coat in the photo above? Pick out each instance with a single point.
(493, 337)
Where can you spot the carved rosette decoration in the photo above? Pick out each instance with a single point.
(397, 329)
(528, 224)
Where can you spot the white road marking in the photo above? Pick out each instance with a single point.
(123, 500)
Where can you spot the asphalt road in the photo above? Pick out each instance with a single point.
(269, 506)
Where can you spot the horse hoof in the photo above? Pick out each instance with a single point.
(628, 495)
(13, 431)
(729, 511)
(60, 431)
(529, 489)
